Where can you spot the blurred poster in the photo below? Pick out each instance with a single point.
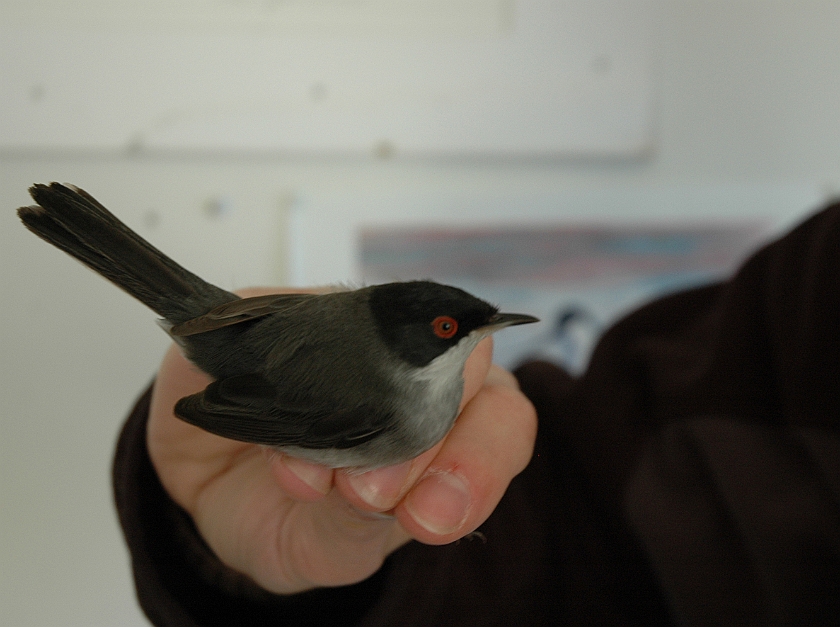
(577, 280)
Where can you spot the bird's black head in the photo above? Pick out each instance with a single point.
(420, 320)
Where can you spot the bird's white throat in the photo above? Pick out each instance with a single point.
(444, 373)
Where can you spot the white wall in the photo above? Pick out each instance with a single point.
(439, 76)
(746, 125)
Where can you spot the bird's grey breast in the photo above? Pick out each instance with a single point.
(432, 394)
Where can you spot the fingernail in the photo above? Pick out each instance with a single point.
(440, 503)
(311, 474)
(383, 487)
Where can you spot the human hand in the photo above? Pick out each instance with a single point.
(292, 525)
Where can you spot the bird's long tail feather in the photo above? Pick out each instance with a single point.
(72, 220)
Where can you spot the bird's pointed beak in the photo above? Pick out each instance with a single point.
(502, 320)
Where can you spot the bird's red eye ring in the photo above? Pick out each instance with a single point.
(445, 327)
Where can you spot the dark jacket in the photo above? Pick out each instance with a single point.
(691, 476)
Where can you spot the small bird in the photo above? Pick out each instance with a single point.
(354, 378)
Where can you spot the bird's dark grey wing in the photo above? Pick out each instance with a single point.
(245, 408)
(238, 311)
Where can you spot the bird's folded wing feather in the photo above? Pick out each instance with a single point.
(247, 408)
(240, 310)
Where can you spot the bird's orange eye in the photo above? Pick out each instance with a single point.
(445, 327)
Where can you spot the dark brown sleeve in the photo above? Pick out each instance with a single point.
(708, 426)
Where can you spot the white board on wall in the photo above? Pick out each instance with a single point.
(461, 77)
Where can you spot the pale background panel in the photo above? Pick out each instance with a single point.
(370, 76)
